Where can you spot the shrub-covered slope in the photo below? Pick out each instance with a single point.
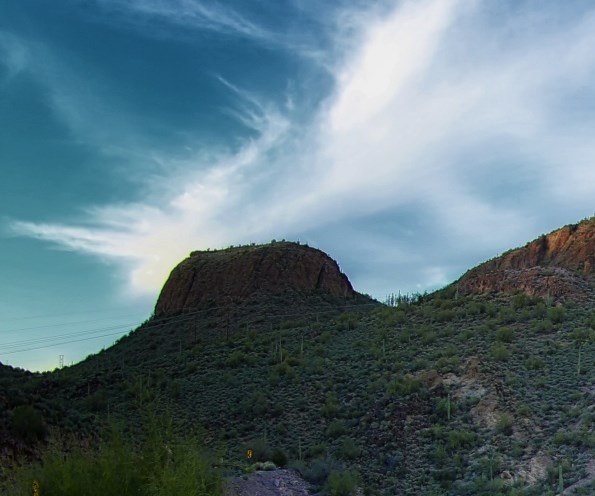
(444, 395)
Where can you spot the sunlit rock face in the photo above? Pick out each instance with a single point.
(559, 264)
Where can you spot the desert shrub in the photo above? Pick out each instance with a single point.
(519, 301)
(346, 321)
(318, 471)
(500, 353)
(403, 386)
(335, 429)
(458, 439)
(506, 316)
(317, 450)
(504, 335)
(428, 338)
(465, 335)
(257, 404)
(97, 401)
(27, 423)
(390, 316)
(341, 483)
(543, 326)
(445, 315)
(349, 449)
(556, 314)
(524, 410)
(534, 363)
(278, 457)
(236, 359)
(504, 424)
(329, 409)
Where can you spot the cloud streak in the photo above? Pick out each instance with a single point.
(194, 14)
(436, 110)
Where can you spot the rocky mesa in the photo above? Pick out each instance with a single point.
(238, 273)
(560, 264)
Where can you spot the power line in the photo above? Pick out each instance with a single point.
(59, 324)
(167, 320)
(81, 312)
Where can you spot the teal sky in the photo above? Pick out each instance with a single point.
(410, 140)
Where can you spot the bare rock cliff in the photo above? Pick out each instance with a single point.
(241, 272)
(560, 264)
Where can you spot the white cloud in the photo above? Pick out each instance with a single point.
(435, 110)
(194, 14)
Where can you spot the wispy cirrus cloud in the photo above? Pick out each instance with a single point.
(194, 14)
(440, 110)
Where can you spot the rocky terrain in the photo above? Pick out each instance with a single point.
(242, 272)
(268, 483)
(560, 264)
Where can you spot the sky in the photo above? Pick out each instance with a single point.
(409, 139)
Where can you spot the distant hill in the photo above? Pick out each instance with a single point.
(560, 264)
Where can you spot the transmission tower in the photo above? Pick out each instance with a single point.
(61, 361)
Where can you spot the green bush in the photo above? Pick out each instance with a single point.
(543, 326)
(349, 449)
(162, 466)
(403, 386)
(504, 335)
(329, 409)
(534, 363)
(504, 424)
(335, 429)
(458, 439)
(500, 353)
(445, 316)
(556, 314)
(341, 483)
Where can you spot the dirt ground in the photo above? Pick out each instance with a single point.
(282, 482)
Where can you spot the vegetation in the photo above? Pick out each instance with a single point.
(439, 394)
(162, 465)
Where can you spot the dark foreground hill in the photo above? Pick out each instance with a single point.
(451, 393)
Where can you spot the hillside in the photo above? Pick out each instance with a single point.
(453, 393)
(560, 264)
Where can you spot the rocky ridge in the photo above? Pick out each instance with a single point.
(560, 264)
(237, 273)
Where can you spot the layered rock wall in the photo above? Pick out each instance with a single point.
(559, 264)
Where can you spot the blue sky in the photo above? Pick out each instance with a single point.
(410, 140)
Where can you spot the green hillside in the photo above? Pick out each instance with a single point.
(443, 396)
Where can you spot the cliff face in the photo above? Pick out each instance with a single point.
(559, 264)
(237, 273)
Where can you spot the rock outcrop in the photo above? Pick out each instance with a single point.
(241, 272)
(560, 264)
